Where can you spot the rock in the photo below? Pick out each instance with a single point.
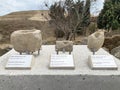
(96, 40)
(64, 46)
(116, 52)
(26, 40)
(112, 42)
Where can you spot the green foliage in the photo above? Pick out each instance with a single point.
(92, 27)
(109, 17)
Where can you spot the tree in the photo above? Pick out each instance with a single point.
(109, 17)
(70, 16)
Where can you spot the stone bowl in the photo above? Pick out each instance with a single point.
(64, 46)
(26, 40)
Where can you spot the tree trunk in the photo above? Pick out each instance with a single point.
(72, 36)
(68, 36)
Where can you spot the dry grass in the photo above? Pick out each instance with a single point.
(10, 23)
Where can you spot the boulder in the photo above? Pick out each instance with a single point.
(112, 42)
(64, 46)
(26, 40)
(116, 52)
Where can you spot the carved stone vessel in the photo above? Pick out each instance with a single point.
(65, 46)
(96, 40)
(26, 40)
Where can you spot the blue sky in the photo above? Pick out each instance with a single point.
(8, 6)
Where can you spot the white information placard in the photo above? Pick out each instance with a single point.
(19, 62)
(102, 62)
(62, 61)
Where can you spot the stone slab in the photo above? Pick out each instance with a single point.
(61, 61)
(40, 77)
(102, 62)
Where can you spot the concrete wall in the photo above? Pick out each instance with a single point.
(78, 82)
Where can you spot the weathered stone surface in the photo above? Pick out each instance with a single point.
(64, 46)
(116, 52)
(26, 40)
(96, 40)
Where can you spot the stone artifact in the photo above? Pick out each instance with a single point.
(96, 40)
(26, 41)
(64, 46)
